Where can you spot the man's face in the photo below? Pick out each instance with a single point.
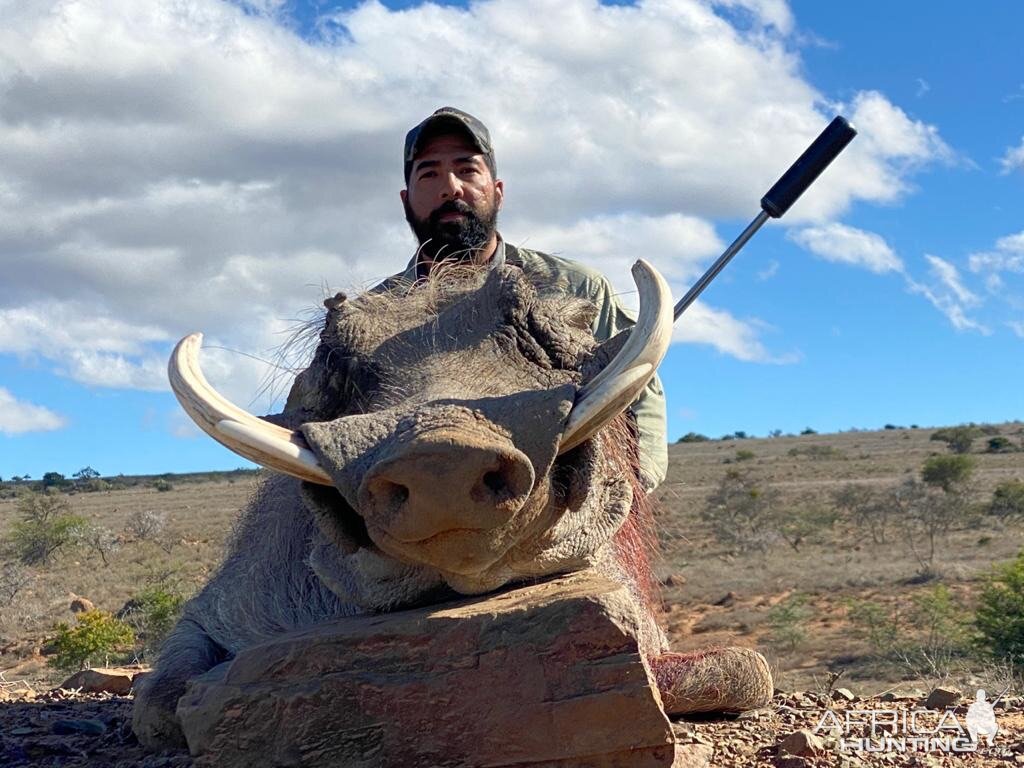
(453, 200)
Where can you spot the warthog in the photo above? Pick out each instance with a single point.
(454, 437)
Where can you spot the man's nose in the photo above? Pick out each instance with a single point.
(452, 188)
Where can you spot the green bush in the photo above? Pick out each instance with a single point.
(44, 527)
(157, 609)
(96, 636)
(788, 622)
(959, 439)
(162, 485)
(947, 472)
(1008, 500)
(694, 437)
(999, 618)
(876, 623)
(1000, 444)
(744, 455)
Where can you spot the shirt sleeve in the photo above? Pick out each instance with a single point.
(649, 408)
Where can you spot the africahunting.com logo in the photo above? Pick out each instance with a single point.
(911, 730)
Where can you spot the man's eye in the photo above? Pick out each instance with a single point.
(427, 175)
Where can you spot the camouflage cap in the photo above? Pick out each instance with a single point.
(448, 120)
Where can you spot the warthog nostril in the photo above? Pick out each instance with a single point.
(495, 481)
(498, 485)
(388, 495)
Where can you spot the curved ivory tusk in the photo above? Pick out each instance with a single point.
(266, 444)
(621, 381)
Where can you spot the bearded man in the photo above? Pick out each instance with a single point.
(452, 198)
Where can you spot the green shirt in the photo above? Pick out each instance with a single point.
(583, 282)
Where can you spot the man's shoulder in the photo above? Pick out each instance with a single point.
(560, 273)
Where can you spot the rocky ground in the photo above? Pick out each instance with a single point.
(77, 730)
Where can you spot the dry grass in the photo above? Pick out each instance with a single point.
(839, 565)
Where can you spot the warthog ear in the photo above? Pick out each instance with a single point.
(621, 381)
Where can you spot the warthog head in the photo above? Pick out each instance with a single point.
(461, 432)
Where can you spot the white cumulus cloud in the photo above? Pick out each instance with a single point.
(949, 295)
(848, 245)
(1013, 159)
(18, 417)
(949, 276)
(182, 165)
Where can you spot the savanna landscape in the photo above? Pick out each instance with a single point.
(865, 565)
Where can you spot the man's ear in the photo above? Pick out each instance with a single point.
(404, 194)
(499, 194)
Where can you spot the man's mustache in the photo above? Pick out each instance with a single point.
(452, 206)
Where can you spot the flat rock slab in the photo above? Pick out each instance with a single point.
(545, 675)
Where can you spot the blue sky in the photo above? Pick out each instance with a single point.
(171, 167)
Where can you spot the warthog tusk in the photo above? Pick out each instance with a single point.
(266, 444)
(621, 381)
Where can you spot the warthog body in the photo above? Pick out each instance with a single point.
(437, 413)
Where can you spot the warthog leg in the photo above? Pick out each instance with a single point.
(714, 680)
(186, 653)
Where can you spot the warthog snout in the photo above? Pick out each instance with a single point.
(446, 482)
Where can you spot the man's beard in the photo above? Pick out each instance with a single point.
(459, 239)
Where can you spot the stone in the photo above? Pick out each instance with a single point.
(117, 681)
(693, 756)
(941, 698)
(547, 674)
(81, 605)
(843, 694)
(790, 761)
(78, 727)
(801, 743)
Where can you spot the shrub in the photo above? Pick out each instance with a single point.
(13, 578)
(808, 431)
(999, 618)
(44, 527)
(744, 455)
(926, 640)
(867, 509)
(1000, 444)
(97, 635)
(959, 439)
(162, 485)
(938, 618)
(100, 540)
(927, 515)
(800, 522)
(788, 620)
(145, 524)
(739, 512)
(946, 472)
(694, 437)
(153, 613)
(876, 623)
(1008, 500)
